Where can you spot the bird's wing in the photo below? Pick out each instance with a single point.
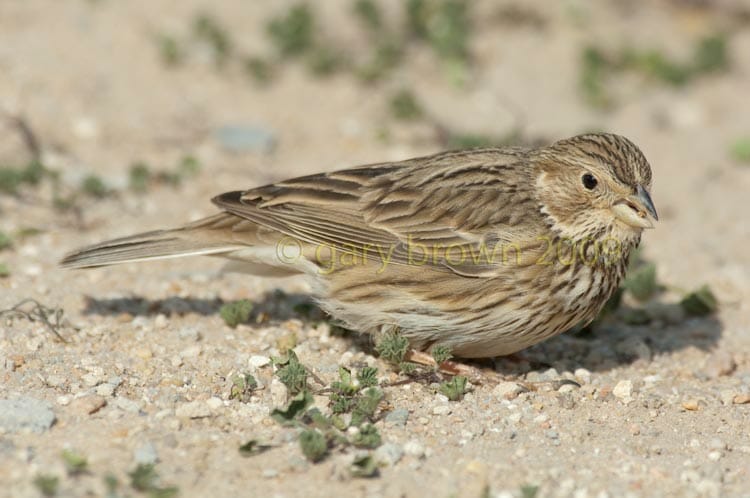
(438, 211)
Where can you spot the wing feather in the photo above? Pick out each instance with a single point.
(440, 200)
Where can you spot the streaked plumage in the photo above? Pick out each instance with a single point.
(379, 217)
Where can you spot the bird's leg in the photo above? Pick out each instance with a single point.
(448, 367)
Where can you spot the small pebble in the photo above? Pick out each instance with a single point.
(623, 391)
(127, 405)
(514, 417)
(25, 414)
(279, 392)
(105, 390)
(741, 399)
(399, 417)
(441, 410)
(388, 454)
(257, 361)
(270, 473)
(160, 321)
(193, 409)
(414, 448)
(691, 405)
(191, 352)
(633, 348)
(145, 454)
(190, 334)
(720, 364)
(583, 375)
(245, 138)
(88, 405)
(507, 390)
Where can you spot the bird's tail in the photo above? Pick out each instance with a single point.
(200, 238)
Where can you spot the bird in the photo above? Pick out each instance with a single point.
(484, 252)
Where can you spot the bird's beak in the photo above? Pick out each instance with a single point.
(636, 210)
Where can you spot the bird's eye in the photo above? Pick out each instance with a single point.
(589, 181)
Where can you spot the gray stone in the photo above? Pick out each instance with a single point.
(388, 454)
(25, 414)
(145, 454)
(245, 138)
(398, 416)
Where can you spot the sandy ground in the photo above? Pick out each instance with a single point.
(145, 373)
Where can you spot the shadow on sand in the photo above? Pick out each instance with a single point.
(608, 344)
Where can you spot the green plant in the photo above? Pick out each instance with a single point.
(94, 186)
(405, 106)
(236, 312)
(455, 388)
(243, 387)
(700, 302)
(47, 484)
(75, 463)
(292, 373)
(292, 33)
(313, 444)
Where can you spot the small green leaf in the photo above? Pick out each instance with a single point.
(143, 477)
(94, 186)
(366, 406)
(441, 353)
(529, 491)
(405, 106)
(740, 150)
(711, 54)
(293, 33)
(294, 409)
(75, 463)
(313, 444)
(207, 29)
(47, 484)
(393, 347)
(369, 14)
(243, 387)
(236, 312)
(364, 466)
(139, 177)
(293, 374)
(368, 377)
(700, 302)
(5, 241)
(367, 437)
(641, 283)
(455, 388)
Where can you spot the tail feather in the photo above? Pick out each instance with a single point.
(158, 244)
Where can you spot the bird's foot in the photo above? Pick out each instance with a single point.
(450, 367)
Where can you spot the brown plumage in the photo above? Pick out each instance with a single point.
(484, 251)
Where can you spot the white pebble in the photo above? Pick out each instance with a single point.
(388, 454)
(414, 448)
(258, 361)
(441, 410)
(583, 375)
(507, 390)
(623, 391)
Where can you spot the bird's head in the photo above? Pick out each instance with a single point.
(596, 185)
